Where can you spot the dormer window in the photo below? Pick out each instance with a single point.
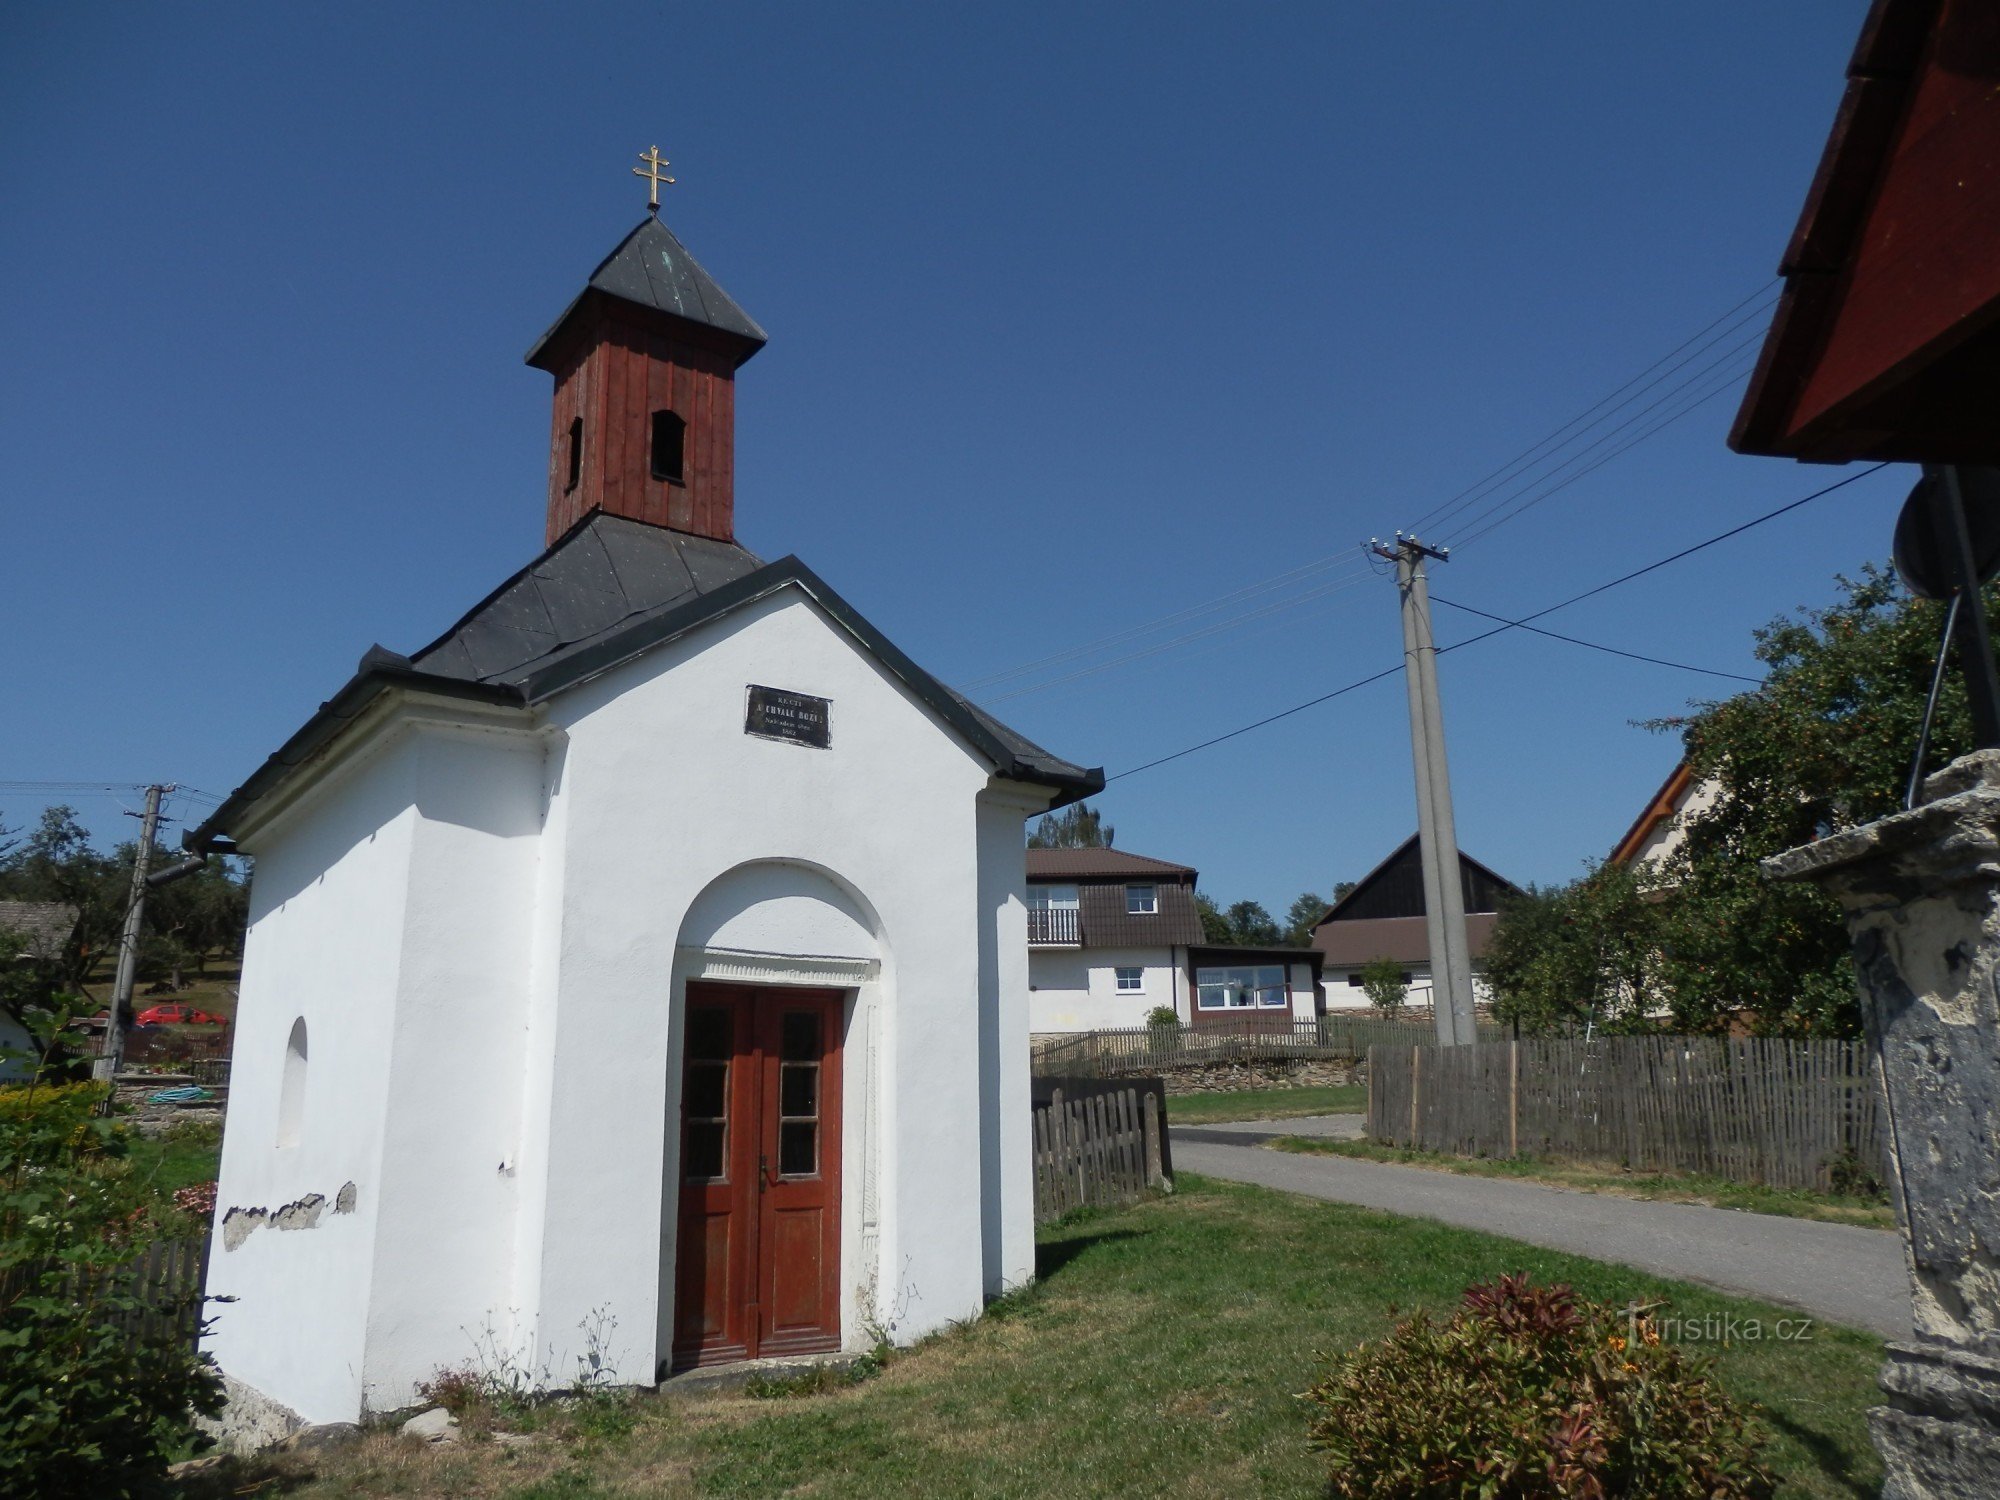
(669, 443)
(575, 454)
(1142, 900)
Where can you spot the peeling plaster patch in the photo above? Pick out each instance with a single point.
(239, 1223)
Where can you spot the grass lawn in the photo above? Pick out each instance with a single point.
(1267, 1104)
(186, 1154)
(1670, 1187)
(1158, 1354)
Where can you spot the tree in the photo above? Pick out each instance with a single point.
(57, 863)
(1215, 928)
(1564, 957)
(1077, 826)
(1252, 925)
(1382, 982)
(1823, 745)
(1302, 916)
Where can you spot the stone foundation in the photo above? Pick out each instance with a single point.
(1227, 1077)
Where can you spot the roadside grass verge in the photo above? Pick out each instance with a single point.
(1268, 1104)
(1159, 1353)
(1665, 1187)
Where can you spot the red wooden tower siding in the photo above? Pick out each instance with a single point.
(645, 361)
(1886, 344)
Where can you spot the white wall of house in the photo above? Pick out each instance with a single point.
(1343, 990)
(1076, 989)
(488, 921)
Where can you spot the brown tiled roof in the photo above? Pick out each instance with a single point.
(1075, 864)
(1405, 939)
(1665, 804)
(1106, 924)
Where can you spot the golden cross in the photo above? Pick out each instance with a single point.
(652, 173)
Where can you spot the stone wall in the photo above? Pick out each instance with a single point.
(1225, 1077)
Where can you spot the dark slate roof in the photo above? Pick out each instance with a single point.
(605, 572)
(46, 925)
(653, 269)
(1115, 864)
(607, 591)
(1395, 888)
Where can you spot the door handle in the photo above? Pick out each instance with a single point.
(763, 1172)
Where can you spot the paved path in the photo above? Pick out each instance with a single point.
(1840, 1272)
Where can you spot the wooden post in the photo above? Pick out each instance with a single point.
(1156, 1176)
(1513, 1099)
(1416, 1090)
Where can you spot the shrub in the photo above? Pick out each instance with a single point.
(1533, 1392)
(1163, 1016)
(93, 1397)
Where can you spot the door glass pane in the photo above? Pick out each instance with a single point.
(709, 1033)
(702, 1095)
(702, 1153)
(798, 1090)
(799, 1039)
(798, 1148)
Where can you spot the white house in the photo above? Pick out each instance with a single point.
(1115, 936)
(590, 981)
(1385, 916)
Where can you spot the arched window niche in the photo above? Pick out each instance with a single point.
(292, 1087)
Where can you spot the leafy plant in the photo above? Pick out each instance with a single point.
(1533, 1392)
(1163, 1016)
(94, 1394)
(1382, 982)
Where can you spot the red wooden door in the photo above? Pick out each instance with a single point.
(758, 1233)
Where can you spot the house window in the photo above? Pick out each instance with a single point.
(1051, 898)
(1247, 988)
(575, 454)
(1142, 900)
(1131, 981)
(669, 441)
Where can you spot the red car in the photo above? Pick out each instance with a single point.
(176, 1015)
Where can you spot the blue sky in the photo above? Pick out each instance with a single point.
(1080, 317)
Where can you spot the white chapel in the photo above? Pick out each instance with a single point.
(643, 963)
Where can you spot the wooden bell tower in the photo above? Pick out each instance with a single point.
(645, 365)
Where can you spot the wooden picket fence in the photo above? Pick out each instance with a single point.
(164, 1280)
(1111, 1053)
(1783, 1113)
(1096, 1152)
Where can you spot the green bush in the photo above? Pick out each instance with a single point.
(1530, 1392)
(1163, 1016)
(92, 1401)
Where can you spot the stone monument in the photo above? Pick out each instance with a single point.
(1921, 893)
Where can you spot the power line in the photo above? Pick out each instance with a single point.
(1521, 624)
(1769, 515)
(1281, 714)
(1512, 466)
(1692, 348)
(1658, 661)
(1728, 380)
(1672, 394)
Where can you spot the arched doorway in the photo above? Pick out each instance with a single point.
(772, 958)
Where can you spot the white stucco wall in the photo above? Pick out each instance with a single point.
(1340, 995)
(1076, 989)
(489, 921)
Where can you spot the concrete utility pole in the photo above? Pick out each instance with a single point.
(1437, 835)
(113, 1056)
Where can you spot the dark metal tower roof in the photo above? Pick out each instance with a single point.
(653, 269)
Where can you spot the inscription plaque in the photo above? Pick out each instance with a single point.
(777, 714)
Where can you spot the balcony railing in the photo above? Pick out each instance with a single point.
(1053, 924)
